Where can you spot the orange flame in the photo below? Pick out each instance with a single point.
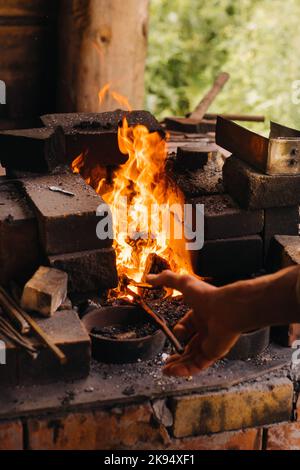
(103, 93)
(120, 99)
(142, 182)
(78, 164)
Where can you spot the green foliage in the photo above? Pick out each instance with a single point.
(256, 41)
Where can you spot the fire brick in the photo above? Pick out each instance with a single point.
(245, 439)
(36, 150)
(280, 221)
(194, 157)
(240, 407)
(285, 436)
(255, 190)
(88, 270)
(200, 182)
(66, 224)
(66, 330)
(11, 435)
(284, 252)
(132, 427)
(45, 291)
(19, 246)
(223, 218)
(96, 133)
(229, 258)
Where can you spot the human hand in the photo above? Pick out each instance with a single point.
(207, 327)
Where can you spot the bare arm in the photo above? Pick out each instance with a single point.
(218, 316)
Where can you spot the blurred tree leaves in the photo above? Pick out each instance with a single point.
(256, 41)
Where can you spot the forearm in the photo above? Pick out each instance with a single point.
(265, 301)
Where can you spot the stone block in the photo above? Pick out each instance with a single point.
(68, 333)
(11, 435)
(38, 150)
(128, 428)
(280, 221)
(229, 258)
(284, 436)
(255, 190)
(240, 407)
(45, 291)
(223, 218)
(66, 224)
(246, 439)
(88, 270)
(19, 243)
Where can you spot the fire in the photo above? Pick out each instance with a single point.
(103, 93)
(120, 99)
(140, 195)
(139, 182)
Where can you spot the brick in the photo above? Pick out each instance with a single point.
(240, 407)
(280, 221)
(45, 291)
(11, 435)
(18, 229)
(229, 258)
(285, 436)
(88, 270)
(66, 331)
(254, 190)
(201, 182)
(245, 439)
(223, 218)
(66, 224)
(285, 335)
(284, 252)
(130, 428)
(194, 157)
(38, 150)
(97, 133)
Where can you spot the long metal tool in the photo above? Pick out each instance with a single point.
(195, 123)
(32, 325)
(12, 310)
(158, 320)
(273, 156)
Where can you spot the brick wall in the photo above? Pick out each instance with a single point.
(263, 415)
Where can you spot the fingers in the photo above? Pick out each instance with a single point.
(169, 279)
(191, 362)
(188, 326)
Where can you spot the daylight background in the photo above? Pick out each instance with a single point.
(256, 41)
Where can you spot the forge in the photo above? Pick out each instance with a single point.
(114, 331)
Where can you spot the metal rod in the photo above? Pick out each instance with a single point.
(158, 320)
(12, 310)
(34, 326)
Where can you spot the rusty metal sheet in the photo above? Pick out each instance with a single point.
(278, 130)
(274, 156)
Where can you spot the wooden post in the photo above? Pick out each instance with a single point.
(101, 42)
